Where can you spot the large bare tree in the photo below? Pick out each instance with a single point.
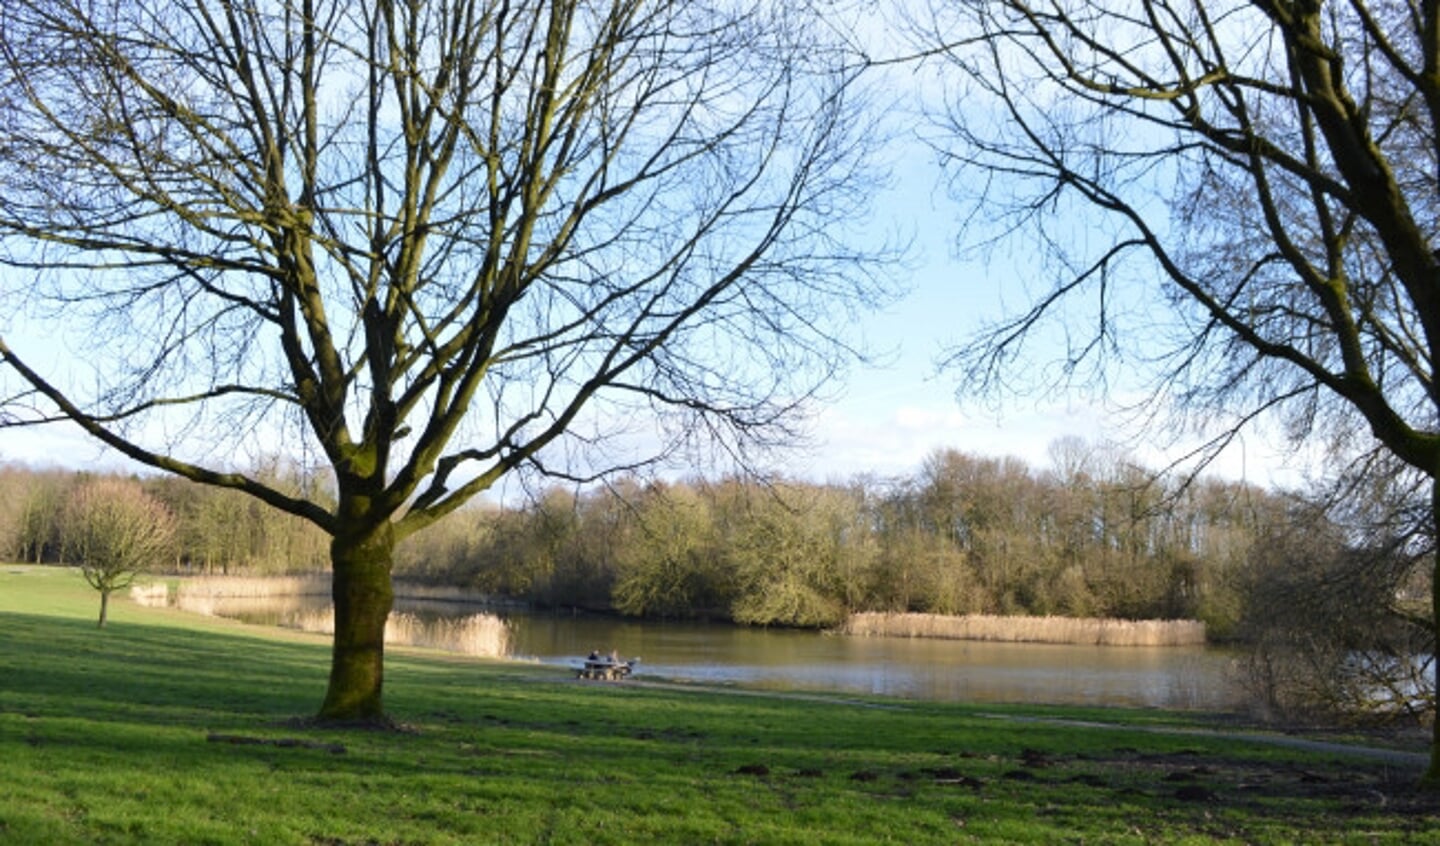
(429, 242)
(1248, 185)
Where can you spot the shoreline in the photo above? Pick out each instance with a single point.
(196, 591)
(1075, 631)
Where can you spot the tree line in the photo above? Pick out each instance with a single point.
(216, 530)
(1092, 536)
(1327, 592)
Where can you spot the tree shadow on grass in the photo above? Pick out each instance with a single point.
(66, 668)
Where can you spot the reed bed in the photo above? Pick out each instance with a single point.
(151, 595)
(289, 601)
(314, 584)
(1061, 630)
(484, 635)
(271, 609)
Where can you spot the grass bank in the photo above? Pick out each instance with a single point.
(1061, 630)
(173, 728)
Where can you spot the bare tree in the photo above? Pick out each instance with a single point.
(1267, 169)
(116, 531)
(427, 244)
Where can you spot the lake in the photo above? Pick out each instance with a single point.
(781, 659)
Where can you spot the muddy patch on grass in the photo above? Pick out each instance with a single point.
(1189, 776)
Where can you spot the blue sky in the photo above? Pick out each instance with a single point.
(886, 417)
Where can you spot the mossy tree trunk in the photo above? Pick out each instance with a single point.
(363, 595)
(1431, 779)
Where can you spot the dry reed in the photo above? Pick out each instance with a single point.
(151, 595)
(475, 634)
(485, 635)
(243, 606)
(472, 634)
(314, 584)
(1062, 630)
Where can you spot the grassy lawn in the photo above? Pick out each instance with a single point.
(170, 728)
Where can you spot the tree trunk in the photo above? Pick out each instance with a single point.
(363, 595)
(1431, 778)
(104, 607)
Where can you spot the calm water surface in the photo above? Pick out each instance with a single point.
(962, 671)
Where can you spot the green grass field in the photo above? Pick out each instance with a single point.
(170, 728)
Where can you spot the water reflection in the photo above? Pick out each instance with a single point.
(969, 671)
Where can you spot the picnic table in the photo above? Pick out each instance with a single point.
(605, 668)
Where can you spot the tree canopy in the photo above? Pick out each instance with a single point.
(116, 531)
(426, 244)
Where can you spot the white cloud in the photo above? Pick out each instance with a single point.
(863, 436)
